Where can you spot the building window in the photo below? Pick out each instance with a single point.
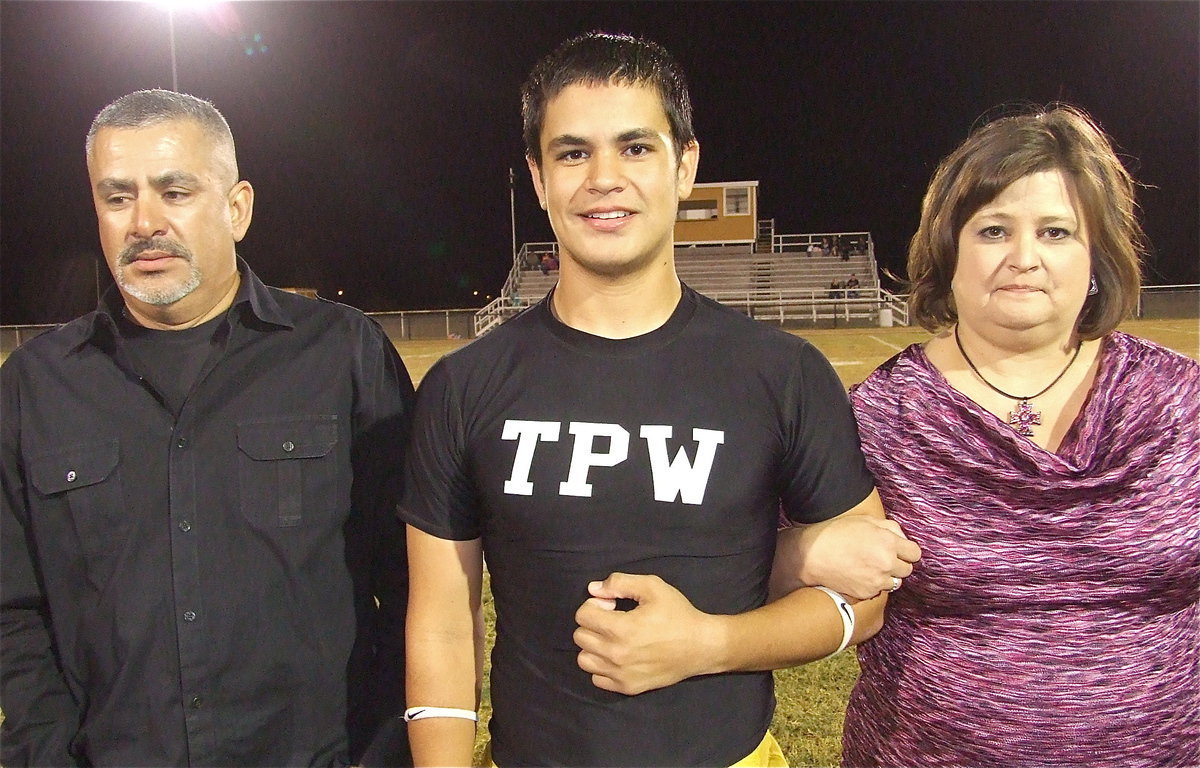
(693, 210)
(737, 201)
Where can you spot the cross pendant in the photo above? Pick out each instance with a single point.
(1024, 416)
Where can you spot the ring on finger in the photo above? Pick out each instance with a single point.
(895, 584)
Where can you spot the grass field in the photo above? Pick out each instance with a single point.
(854, 352)
(812, 699)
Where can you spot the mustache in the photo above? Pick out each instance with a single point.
(163, 244)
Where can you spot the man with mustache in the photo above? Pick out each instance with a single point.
(201, 561)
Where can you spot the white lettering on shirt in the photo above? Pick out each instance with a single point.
(678, 478)
(527, 434)
(583, 458)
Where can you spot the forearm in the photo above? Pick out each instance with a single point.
(665, 639)
(798, 562)
(444, 645)
(856, 553)
(441, 673)
(798, 628)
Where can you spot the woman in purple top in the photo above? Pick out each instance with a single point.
(1049, 467)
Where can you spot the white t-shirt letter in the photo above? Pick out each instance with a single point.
(678, 477)
(527, 434)
(583, 457)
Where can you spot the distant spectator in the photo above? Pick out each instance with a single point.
(852, 283)
(813, 249)
(548, 264)
(835, 290)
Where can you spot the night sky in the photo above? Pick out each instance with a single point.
(379, 135)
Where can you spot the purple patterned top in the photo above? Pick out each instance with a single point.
(1054, 617)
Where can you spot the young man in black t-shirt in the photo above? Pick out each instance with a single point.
(624, 442)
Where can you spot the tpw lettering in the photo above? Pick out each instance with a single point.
(679, 478)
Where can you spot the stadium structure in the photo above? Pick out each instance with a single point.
(723, 250)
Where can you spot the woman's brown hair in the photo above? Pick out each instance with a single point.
(1062, 138)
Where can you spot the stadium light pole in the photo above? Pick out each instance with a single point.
(512, 210)
(171, 35)
(171, 6)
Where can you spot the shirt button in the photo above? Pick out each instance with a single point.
(196, 702)
(189, 615)
(289, 446)
(181, 442)
(71, 476)
(185, 526)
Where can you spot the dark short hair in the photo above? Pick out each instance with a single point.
(1058, 138)
(597, 58)
(145, 108)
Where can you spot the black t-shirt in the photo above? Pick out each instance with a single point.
(170, 360)
(671, 453)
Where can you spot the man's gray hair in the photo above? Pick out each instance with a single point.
(141, 109)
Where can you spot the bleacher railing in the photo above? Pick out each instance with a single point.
(814, 304)
(509, 302)
(874, 305)
(800, 243)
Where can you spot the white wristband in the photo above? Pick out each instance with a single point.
(420, 713)
(847, 614)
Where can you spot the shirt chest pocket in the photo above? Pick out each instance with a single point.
(288, 470)
(84, 478)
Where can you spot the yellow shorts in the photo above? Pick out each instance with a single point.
(766, 755)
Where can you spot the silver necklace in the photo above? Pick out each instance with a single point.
(1024, 416)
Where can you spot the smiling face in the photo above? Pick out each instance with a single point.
(609, 177)
(1023, 259)
(169, 214)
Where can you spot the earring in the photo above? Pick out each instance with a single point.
(1094, 288)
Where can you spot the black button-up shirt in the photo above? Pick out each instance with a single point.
(222, 587)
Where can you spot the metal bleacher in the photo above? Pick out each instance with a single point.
(789, 284)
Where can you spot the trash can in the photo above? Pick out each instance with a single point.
(885, 317)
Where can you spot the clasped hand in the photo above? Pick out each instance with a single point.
(663, 640)
(855, 555)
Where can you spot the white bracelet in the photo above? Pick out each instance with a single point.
(847, 614)
(420, 713)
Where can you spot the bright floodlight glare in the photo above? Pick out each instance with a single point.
(172, 7)
(176, 6)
